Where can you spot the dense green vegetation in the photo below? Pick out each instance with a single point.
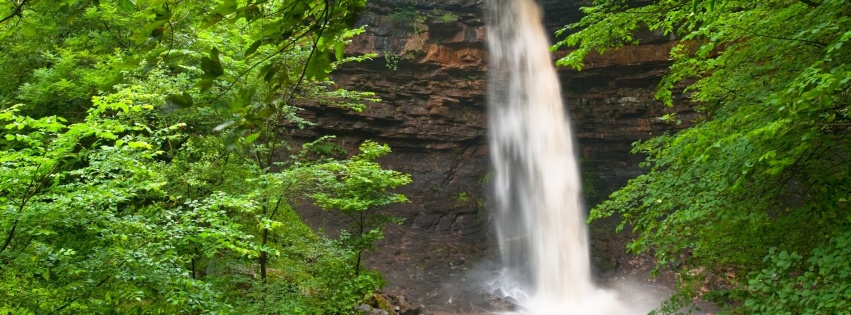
(144, 167)
(755, 197)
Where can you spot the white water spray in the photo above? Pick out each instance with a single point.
(540, 218)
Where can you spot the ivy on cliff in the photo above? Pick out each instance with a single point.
(755, 197)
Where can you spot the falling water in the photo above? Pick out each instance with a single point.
(540, 218)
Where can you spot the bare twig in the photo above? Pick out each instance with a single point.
(17, 12)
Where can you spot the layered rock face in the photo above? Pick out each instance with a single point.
(431, 73)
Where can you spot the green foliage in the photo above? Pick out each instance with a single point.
(403, 15)
(84, 48)
(791, 285)
(357, 187)
(461, 198)
(144, 167)
(768, 166)
(359, 184)
(74, 239)
(392, 60)
(408, 17)
(447, 18)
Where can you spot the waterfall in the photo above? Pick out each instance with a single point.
(540, 217)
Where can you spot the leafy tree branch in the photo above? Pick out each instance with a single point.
(755, 185)
(16, 11)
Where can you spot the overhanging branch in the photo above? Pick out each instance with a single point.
(17, 12)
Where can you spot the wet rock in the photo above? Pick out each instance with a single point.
(433, 115)
(369, 310)
(496, 303)
(401, 305)
(604, 266)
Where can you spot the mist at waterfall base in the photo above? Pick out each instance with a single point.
(540, 220)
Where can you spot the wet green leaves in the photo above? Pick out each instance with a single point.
(253, 48)
(170, 159)
(213, 69)
(212, 65)
(126, 5)
(762, 169)
(178, 101)
(793, 284)
(319, 64)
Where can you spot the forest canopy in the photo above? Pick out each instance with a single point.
(750, 204)
(144, 167)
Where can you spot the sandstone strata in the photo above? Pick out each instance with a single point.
(431, 74)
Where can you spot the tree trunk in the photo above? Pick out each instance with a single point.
(263, 256)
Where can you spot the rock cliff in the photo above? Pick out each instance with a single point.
(431, 75)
